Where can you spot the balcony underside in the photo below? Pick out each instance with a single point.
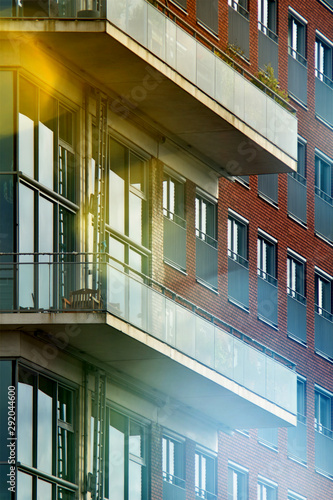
(161, 98)
(153, 364)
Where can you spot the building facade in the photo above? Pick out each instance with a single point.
(166, 250)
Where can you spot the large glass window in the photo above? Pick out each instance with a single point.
(126, 458)
(323, 412)
(324, 178)
(205, 220)
(173, 198)
(237, 240)
(206, 240)
(296, 277)
(46, 437)
(297, 39)
(205, 476)
(173, 461)
(266, 259)
(323, 295)
(237, 482)
(267, 17)
(267, 490)
(323, 61)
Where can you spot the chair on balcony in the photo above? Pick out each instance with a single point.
(85, 298)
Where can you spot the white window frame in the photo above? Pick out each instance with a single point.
(168, 459)
(236, 225)
(323, 58)
(267, 489)
(297, 30)
(201, 469)
(294, 260)
(266, 244)
(321, 393)
(239, 492)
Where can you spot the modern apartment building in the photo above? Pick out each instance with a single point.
(166, 250)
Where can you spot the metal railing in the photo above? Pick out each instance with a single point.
(324, 332)
(238, 279)
(297, 440)
(323, 214)
(151, 307)
(324, 97)
(296, 325)
(324, 450)
(174, 241)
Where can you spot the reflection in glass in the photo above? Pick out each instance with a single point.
(44, 426)
(117, 202)
(44, 490)
(135, 218)
(45, 243)
(137, 171)
(135, 439)
(26, 245)
(116, 456)
(45, 155)
(25, 417)
(24, 486)
(135, 481)
(26, 145)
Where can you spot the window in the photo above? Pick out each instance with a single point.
(46, 437)
(208, 14)
(324, 177)
(173, 199)
(294, 496)
(296, 277)
(206, 240)
(237, 240)
(266, 257)
(205, 220)
(323, 295)
(173, 461)
(301, 400)
(126, 457)
(127, 192)
(297, 39)
(182, 3)
(301, 160)
(205, 472)
(267, 490)
(240, 6)
(267, 17)
(323, 412)
(237, 482)
(323, 61)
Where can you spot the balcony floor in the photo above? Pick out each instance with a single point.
(155, 365)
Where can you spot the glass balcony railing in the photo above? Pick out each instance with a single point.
(324, 97)
(296, 316)
(267, 298)
(297, 75)
(297, 193)
(324, 450)
(324, 214)
(74, 283)
(206, 259)
(297, 440)
(174, 241)
(238, 279)
(213, 72)
(324, 332)
(239, 28)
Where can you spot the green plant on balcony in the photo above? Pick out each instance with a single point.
(268, 79)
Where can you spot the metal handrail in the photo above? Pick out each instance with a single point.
(297, 56)
(202, 313)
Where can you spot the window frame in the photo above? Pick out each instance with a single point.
(265, 244)
(201, 490)
(322, 394)
(178, 214)
(237, 224)
(169, 476)
(320, 295)
(267, 18)
(293, 276)
(203, 203)
(270, 488)
(297, 37)
(59, 426)
(323, 181)
(238, 472)
(324, 59)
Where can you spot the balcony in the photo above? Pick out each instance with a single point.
(174, 240)
(324, 98)
(268, 49)
(157, 71)
(206, 260)
(324, 332)
(239, 28)
(297, 441)
(268, 187)
(297, 76)
(324, 450)
(145, 330)
(296, 316)
(297, 194)
(172, 491)
(323, 214)
(267, 298)
(238, 279)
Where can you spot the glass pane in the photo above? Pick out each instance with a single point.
(45, 242)
(24, 486)
(135, 481)
(25, 417)
(135, 261)
(66, 174)
(137, 172)
(6, 381)
(44, 426)
(26, 245)
(65, 405)
(44, 490)
(26, 145)
(117, 202)
(65, 125)
(65, 494)
(116, 456)
(7, 115)
(135, 218)
(136, 440)
(45, 155)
